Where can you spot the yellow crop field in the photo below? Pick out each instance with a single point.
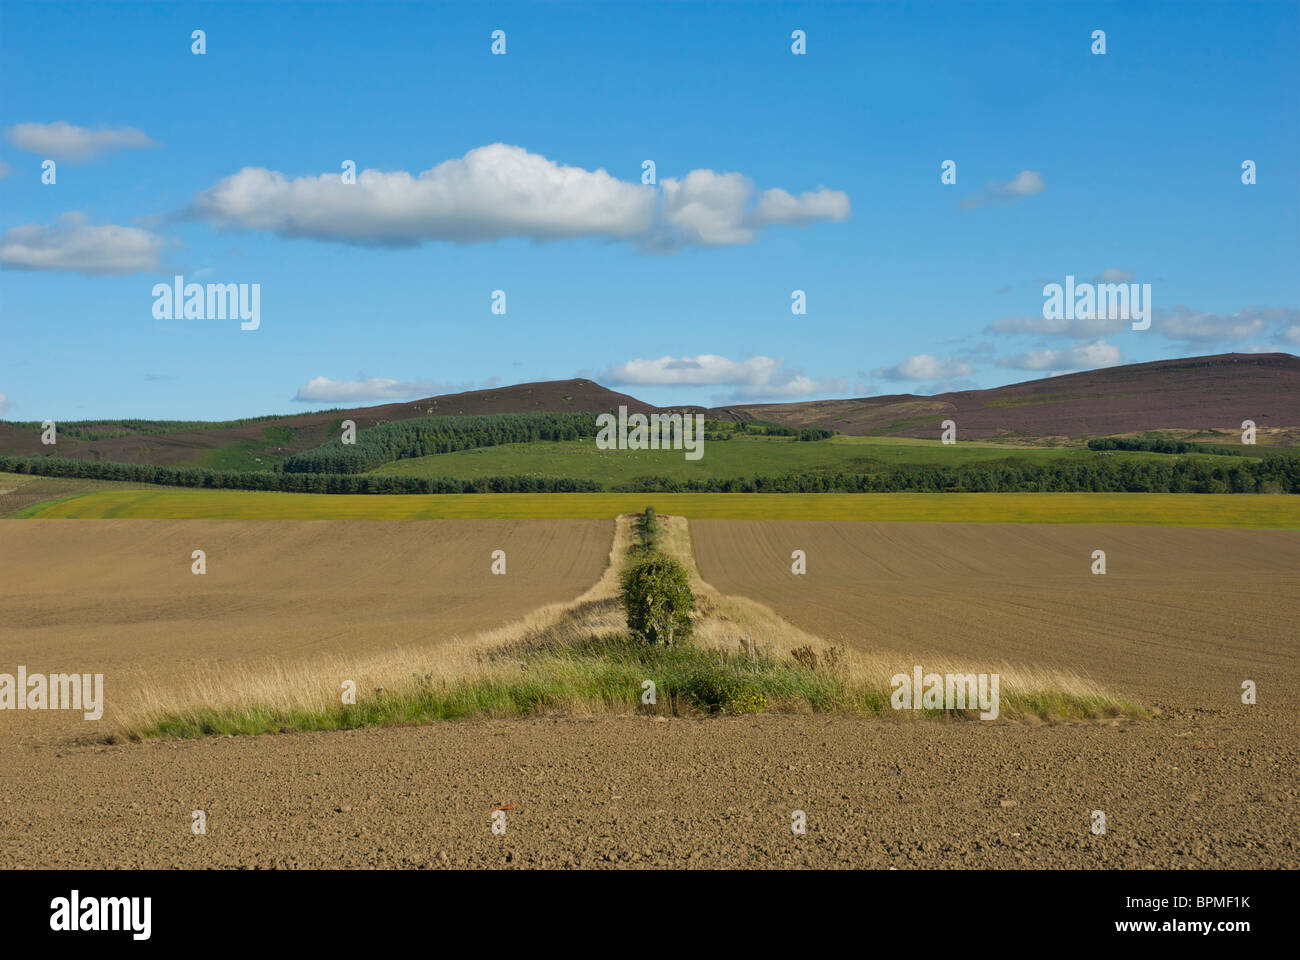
(1194, 510)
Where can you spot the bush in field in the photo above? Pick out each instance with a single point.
(647, 531)
(657, 598)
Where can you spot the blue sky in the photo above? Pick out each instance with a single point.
(775, 172)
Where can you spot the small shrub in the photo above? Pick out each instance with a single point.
(647, 531)
(656, 596)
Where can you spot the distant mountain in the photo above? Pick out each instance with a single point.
(1196, 395)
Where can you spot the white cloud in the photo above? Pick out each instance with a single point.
(922, 366)
(713, 209)
(1041, 326)
(752, 378)
(797, 385)
(499, 191)
(1114, 275)
(325, 390)
(708, 208)
(4, 404)
(1087, 356)
(1292, 334)
(492, 192)
(1025, 184)
(68, 142)
(1180, 323)
(72, 244)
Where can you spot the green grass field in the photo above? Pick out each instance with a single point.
(1196, 510)
(730, 459)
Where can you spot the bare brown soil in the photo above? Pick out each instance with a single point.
(631, 791)
(1180, 619)
(118, 596)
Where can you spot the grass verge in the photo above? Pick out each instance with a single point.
(579, 659)
(607, 674)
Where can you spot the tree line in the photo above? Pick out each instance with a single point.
(419, 437)
(1272, 474)
(287, 482)
(1161, 445)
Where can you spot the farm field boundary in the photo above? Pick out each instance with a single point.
(1152, 509)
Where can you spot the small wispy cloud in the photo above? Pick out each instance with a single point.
(1025, 184)
(752, 378)
(65, 141)
(1076, 328)
(325, 390)
(1087, 356)
(1201, 326)
(923, 366)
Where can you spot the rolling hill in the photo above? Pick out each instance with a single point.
(1198, 394)
(269, 440)
(1197, 397)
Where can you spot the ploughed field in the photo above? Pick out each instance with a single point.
(119, 597)
(1179, 620)
(633, 791)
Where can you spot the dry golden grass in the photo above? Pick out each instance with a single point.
(482, 673)
(316, 683)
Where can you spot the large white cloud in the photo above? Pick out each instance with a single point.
(1087, 356)
(922, 366)
(751, 378)
(68, 142)
(499, 191)
(492, 192)
(73, 244)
